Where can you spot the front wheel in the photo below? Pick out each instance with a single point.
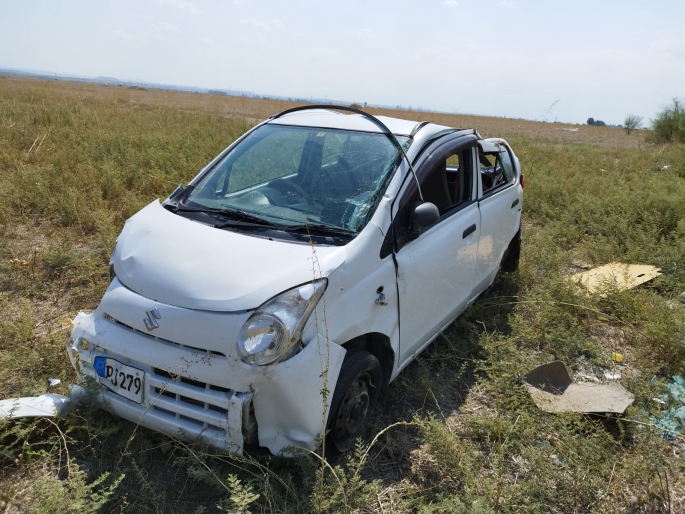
(355, 396)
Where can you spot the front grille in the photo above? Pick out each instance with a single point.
(199, 403)
(190, 381)
(213, 410)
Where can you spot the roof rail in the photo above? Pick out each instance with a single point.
(418, 127)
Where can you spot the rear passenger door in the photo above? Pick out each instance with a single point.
(500, 199)
(435, 271)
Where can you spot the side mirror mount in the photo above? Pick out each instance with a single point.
(423, 215)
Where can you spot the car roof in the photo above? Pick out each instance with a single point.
(326, 118)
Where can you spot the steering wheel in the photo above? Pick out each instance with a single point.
(344, 169)
(346, 166)
(288, 186)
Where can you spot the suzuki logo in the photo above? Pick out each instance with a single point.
(151, 321)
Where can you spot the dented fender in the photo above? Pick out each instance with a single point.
(292, 399)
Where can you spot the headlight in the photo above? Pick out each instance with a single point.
(273, 331)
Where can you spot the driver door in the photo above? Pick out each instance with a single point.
(435, 271)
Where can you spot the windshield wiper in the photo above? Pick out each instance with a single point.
(237, 215)
(323, 228)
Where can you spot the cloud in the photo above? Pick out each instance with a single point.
(266, 26)
(179, 5)
(153, 30)
(451, 3)
(673, 46)
(257, 24)
(365, 34)
(206, 41)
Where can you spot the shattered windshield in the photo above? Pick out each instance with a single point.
(291, 176)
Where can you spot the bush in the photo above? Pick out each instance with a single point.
(632, 122)
(669, 125)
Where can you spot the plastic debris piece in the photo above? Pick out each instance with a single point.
(552, 390)
(612, 375)
(616, 274)
(617, 357)
(589, 378)
(671, 420)
(46, 405)
(682, 297)
(52, 382)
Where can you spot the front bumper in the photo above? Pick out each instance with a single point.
(207, 396)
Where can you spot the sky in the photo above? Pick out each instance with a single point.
(559, 60)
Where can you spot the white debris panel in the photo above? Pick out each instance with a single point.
(46, 405)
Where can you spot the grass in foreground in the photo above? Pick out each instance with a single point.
(458, 432)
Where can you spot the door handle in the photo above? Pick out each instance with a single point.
(469, 231)
(516, 202)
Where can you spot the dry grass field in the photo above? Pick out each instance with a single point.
(458, 431)
(254, 110)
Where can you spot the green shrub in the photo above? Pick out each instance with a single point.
(669, 125)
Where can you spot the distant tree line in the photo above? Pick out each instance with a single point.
(667, 127)
(596, 123)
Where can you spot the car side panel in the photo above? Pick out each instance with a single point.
(435, 279)
(352, 305)
(500, 219)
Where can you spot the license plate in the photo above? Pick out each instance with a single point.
(120, 378)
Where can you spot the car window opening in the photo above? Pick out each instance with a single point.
(496, 170)
(447, 184)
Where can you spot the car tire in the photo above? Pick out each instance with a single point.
(356, 393)
(512, 257)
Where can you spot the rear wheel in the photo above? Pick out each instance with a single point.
(355, 396)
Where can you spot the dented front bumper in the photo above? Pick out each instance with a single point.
(195, 391)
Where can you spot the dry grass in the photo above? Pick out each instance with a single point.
(254, 110)
(77, 159)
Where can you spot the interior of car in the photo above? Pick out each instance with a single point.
(446, 185)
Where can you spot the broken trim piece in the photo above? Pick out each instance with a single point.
(46, 405)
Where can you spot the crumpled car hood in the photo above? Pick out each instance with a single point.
(174, 260)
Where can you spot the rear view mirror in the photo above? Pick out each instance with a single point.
(423, 215)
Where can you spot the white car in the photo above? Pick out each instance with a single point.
(272, 299)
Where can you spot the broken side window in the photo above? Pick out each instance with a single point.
(496, 170)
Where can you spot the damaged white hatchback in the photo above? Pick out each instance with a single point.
(273, 298)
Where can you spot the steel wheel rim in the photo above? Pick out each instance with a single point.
(352, 410)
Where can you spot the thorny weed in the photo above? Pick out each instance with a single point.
(325, 363)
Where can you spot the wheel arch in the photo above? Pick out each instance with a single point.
(379, 346)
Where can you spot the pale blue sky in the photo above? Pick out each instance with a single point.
(509, 58)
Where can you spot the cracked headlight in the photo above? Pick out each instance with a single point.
(273, 331)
